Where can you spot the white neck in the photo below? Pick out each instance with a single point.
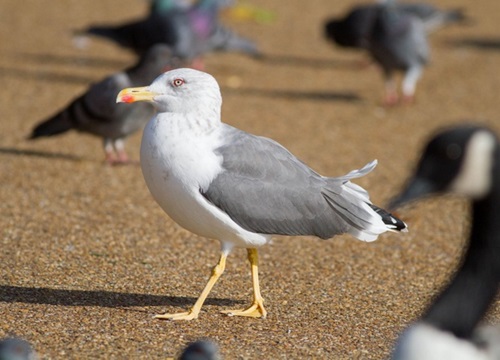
(475, 176)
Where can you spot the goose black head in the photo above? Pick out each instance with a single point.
(458, 160)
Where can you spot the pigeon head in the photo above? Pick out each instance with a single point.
(352, 30)
(16, 349)
(158, 59)
(458, 160)
(179, 91)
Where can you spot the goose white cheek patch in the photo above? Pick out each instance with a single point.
(475, 176)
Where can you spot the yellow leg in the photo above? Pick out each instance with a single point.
(257, 307)
(195, 310)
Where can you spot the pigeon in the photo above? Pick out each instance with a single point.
(96, 111)
(201, 350)
(223, 183)
(398, 42)
(16, 349)
(163, 6)
(190, 32)
(395, 36)
(353, 30)
(463, 160)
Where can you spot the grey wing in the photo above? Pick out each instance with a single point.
(265, 189)
(399, 40)
(417, 45)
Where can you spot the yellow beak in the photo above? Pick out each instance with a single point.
(130, 95)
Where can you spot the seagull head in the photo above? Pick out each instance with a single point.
(179, 91)
(459, 160)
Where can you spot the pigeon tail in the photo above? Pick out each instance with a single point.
(57, 124)
(117, 34)
(441, 19)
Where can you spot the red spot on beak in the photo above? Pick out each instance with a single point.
(128, 98)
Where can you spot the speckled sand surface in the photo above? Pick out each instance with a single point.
(88, 257)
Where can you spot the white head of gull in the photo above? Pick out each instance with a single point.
(223, 183)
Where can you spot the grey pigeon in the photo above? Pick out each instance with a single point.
(463, 160)
(395, 35)
(398, 42)
(241, 189)
(96, 111)
(353, 29)
(201, 350)
(16, 349)
(163, 6)
(190, 32)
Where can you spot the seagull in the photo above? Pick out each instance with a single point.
(223, 183)
(13, 348)
(463, 160)
(97, 113)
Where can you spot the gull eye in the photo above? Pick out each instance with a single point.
(178, 82)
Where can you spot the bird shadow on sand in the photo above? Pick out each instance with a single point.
(71, 60)
(38, 153)
(490, 44)
(295, 95)
(290, 60)
(111, 299)
(41, 75)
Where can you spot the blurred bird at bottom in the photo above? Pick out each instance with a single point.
(16, 349)
(201, 350)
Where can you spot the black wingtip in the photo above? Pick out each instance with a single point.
(390, 220)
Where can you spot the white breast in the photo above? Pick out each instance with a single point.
(177, 163)
(425, 342)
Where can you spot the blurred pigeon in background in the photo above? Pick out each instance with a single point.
(354, 29)
(190, 32)
(398, 42)
(162, 6)
(201, 350)
(395, 35)
(96, 111)
(16, 349)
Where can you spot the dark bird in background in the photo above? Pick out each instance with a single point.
(395, 35)
(398, 42)
(463, 160)
(16, 349)
(189, 31)
(96, 111)
(201, 350)
(159, 6)
(353, 29)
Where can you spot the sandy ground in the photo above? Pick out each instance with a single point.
(88, 257)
